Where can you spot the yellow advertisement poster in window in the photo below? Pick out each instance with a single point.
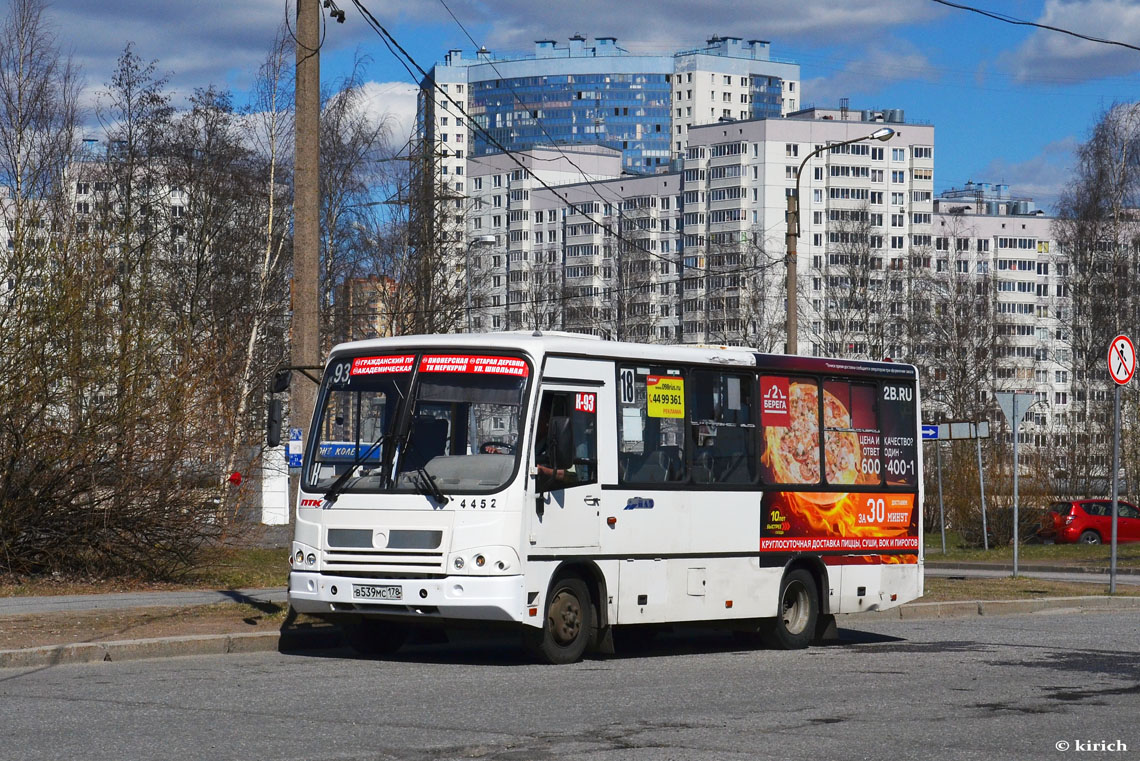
(666, 396)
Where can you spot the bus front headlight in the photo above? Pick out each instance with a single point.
(486, 561)
(304, 557)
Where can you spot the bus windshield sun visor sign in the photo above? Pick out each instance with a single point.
(441, 363)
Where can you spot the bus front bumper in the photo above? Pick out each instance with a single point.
(476, 598)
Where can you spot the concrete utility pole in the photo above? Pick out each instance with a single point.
(305, 341)
(792, 346)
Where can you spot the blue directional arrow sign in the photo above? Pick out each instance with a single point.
(929, 433)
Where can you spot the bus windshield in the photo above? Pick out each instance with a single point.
(392, 419)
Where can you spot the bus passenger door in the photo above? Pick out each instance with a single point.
(564, 464)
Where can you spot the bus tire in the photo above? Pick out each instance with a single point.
(567, 625)
(793, 628)
(370, 636)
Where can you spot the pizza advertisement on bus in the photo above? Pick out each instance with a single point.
(857, 522)
(868, 438)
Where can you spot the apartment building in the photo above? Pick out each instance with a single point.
(596, 255)
(863, 205)
(585, 93)
(983, 234)
(594, 92)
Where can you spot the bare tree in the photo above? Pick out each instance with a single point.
(1098, 229)
(88, 449)
(353, 145)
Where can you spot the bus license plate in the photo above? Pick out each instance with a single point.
(377, 592)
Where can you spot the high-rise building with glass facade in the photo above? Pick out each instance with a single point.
(586, 95)
(595, 92)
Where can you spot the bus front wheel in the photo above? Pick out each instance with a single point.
(567, 625)
(793, 628)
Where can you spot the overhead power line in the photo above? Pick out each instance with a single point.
(519, 100)
(1022, 22)
(393, 43)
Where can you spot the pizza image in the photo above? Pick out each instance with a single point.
(841, 449)
(792, 451)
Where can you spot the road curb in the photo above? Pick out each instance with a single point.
(171, 647)
(969, 608)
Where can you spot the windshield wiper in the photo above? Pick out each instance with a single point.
(334, 491)
(426, 484)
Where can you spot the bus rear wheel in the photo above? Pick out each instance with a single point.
(370, 636)
(793, 628)
(567, 625)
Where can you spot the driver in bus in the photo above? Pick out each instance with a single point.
(562, 477)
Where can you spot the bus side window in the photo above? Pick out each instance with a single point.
(722, 432)
(651, 425)
(789, 418)
(851, 433)
(579, 409)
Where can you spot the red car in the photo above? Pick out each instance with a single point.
(1089, 521)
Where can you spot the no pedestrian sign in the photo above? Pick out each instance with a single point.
(1121, 359)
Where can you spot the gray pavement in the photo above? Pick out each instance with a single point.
(1040, 686)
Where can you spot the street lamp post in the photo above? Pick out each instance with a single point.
(481, 241)
(793, 234)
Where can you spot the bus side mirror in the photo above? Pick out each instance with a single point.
(281, 380)
(273, 422)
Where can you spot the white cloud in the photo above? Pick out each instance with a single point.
(394, 102)
(1056, 56)
(197, 43)
(223, 43)
(885, 64)
(1042, 177)
(672, 24)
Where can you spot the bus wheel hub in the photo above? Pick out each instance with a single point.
(565, 617)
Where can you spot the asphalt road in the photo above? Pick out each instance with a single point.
(1009, 688)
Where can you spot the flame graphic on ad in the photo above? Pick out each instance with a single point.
(860, 522)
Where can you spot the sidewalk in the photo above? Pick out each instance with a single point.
(1030, 567)
(21, 606)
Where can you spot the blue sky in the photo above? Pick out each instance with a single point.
(1009, 103)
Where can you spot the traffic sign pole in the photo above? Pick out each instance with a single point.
(1115, 488)
(1016, 517)
(982, 489)
(1121, 366)
(1014, 405)
(941, 514)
